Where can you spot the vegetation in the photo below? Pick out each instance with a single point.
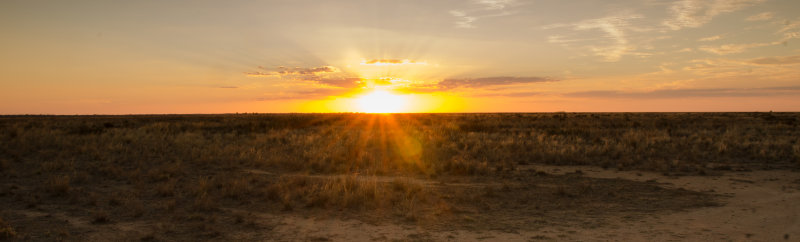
(211, 172)
(6, 231)
(428, 144)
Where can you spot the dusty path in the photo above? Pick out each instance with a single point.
(758, 206)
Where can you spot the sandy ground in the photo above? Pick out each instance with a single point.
(757, 206)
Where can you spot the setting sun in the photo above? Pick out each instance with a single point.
(381, 101)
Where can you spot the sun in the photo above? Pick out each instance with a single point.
(381, 101)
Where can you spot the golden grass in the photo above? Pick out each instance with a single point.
(191, 171)
(428, 144)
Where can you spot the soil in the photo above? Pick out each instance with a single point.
(757, 206)
(532, 203)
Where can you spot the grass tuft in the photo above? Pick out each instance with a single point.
(58, 185)
(6, 231)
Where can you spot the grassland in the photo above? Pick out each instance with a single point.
(189, 177)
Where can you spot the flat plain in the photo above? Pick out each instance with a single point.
(407, 177)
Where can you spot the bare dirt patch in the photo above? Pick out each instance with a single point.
(763, 211)
(377, 208)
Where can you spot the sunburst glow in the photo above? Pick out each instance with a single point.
(382, 101)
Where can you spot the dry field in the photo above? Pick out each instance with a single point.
(418, 177)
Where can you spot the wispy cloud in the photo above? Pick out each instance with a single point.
(483, 9)
(696, 13)
(464, 21)
(732, 48)
(614, 29)
(790, 29)
(392, 62)
(283, 71)
(711, 67)
(777, 60)
(489, 81)
(484, 86)
(325, 75)
(302, 94)
(710, 38)
(622, 32)
(781, 71)
(260, 74)
(739, 48)
(509, 94)
(229, 87)
(692, 92)
(761, 17)
(495, 4)
(345, 82)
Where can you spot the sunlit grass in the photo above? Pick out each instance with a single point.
(202, 172)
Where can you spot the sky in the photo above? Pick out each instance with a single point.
(134, 57)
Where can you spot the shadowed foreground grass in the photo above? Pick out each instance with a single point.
(190, 177)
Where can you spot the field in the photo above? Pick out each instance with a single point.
(320, 177)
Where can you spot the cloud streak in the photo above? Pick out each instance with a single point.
(710, 38)
(453, 83)
(777, 60)
(615, 33)
(490, 86)
(788, 32)
(495, 4)
(761, 17)
(696, 13)
(325, 75)
(739, 48)
(303, 94)
(284, 71)
(509, 94)
(464, 21)
(614, 27)
(391, 62)
(485, 9)
(732, 48)
(343, 82)
(692, 93)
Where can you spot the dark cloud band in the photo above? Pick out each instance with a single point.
(689, 93)
(490, 81)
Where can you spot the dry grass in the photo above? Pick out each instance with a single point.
(349, 192)
(6, 231)
(58, 185)
(189, 170)
(429, 144)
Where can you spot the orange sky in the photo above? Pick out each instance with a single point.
(126, 57)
